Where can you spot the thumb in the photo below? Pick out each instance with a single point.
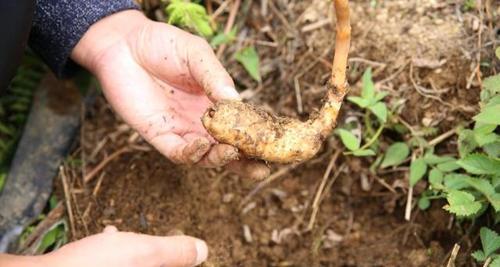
(209, 73)
(181, 251)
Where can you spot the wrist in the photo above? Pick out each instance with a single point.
(103, 35)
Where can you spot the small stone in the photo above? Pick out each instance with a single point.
(227, 197)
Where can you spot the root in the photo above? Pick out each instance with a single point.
(258, 134)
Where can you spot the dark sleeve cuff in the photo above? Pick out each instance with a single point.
(58, 25)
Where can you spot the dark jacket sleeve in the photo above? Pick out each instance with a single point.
(58, 25)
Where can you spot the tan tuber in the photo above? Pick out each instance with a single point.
(258, 134)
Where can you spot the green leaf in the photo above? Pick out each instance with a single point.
(496, 260)
(53, 238)
(424, 203)
(436, 178)
(363, 152)
(2, 180)
(479, 256)
(492, 149)
(497, 52)
(380, 110)
(380, 95)
(480, 164)
(53, 202)
(190, 15)
(466, 142)
(493, 101)
(456, 181)
(361, 102)
(489, 240)
(349, 139)
(492, 84)
(489, 114)
(484, 133)
(418, 168)
(395, 154)
(222, 38)
(462, 203)
(249, 58)
(484, 139)
(432, 159)
(495, 201)
(481, 185)
(448, 166)
(368, 90)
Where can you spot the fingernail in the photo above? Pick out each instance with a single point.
(201, 251)
(230, 93)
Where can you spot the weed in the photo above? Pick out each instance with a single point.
(371, 101)
(490, 242)
(14, 108)
(192, 16)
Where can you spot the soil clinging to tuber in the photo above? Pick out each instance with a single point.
(259, 134)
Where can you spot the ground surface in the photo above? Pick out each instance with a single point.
(419, 53)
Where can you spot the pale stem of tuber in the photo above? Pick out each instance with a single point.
(342, 44)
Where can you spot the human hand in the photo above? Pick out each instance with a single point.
(161, 80)
(112, 248)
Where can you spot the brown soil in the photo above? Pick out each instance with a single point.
(360, 221)
(143, 192)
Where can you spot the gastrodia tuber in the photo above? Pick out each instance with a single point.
(259, 134)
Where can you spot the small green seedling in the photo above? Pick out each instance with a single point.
(189, 15)
(371, 101)
(490, 242)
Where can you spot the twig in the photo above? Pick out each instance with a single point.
(409, 201)
(67, 197)
(442, 137)
(298, 95)
(453, 256)
(321, 188)
(103, 164)
(229, 25)
(219, 10)
(315, 25)
(487, 262)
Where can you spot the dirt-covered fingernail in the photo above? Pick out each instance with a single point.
(201, 251)
(229, 92)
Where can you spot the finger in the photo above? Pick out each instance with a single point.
(181, 251)
(218, 156)
(209, 73)
(180, 151)
(249, 169)
(110, 229)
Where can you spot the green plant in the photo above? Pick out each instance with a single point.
(490, 242)
(222, 38)
(189, 15)
(249, 58)
(14, 108)
(471, 184)
(469, 5)
(371, 101)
